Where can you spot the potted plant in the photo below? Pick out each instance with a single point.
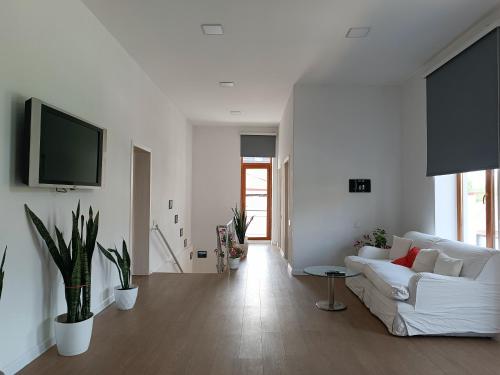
(235, 253)
(377, 238)
(126, 293)
(241, 224)
(73, 330)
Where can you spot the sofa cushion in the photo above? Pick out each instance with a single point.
(390, 279)
(358, 264)
(425, 260)
(474, 257)
(400, 247)
(408, 259)
(448, 266)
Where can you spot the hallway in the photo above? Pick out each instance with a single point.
(258, 320)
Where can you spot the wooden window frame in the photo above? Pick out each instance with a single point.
(269, 167)
(490, 207)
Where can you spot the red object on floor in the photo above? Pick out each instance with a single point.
(408, 259)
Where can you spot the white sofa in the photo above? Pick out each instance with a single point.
(410, 303)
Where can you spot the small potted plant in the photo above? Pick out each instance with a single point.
(125, 293)
(377, 238)
(241, 224)
(235, 253)
(73, 330)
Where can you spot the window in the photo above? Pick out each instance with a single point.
(476, 202)
(256, 186)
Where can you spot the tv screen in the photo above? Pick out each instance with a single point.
(70, 150)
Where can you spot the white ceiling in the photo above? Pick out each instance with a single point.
(269, 45)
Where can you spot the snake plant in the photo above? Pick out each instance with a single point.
(122, 263)
(241, 223)
(74, 260)
(2, 272)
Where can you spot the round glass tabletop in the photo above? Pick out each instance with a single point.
(330, 271)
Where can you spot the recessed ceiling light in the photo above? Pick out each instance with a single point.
(226, 84)
(358, 32)
(212, 29)
(236, 113)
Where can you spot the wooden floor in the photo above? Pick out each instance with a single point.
(259, 320)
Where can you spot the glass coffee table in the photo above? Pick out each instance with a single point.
(331, 272)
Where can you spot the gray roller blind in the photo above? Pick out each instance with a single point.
(258, 146)
(463, 111)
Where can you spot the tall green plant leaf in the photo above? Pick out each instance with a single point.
(126, 260)
(44, 233)
(122, 262)
(241, 223)
(2, 271)
(108, 255)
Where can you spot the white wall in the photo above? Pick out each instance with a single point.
(58, 51)
(418, 203)
(216, 184)
(341, 133)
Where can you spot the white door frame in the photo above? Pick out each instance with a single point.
(139, 146)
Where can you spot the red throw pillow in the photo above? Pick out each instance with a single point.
(408, 259)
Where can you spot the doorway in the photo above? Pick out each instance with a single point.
(285, 208)
(256, 196)
(140, 209)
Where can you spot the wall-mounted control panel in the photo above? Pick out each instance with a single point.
(360, 185)
(202, 254)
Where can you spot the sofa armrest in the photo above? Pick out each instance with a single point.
(372, 252)
(438, 293)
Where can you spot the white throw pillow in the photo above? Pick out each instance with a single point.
(400, 247)
(448, 266)
(425, 260)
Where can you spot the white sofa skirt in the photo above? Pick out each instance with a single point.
(401, 318)
(386, 309)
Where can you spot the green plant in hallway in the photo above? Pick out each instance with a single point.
(376, 238)
(2, 271)
(241, 224)
(74, 261)
(126, 293)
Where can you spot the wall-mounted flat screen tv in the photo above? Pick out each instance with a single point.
(64, 150)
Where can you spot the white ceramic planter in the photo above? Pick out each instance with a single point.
(125, 298)
(234, 263)
(73, 338)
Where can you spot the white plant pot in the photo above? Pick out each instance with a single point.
(125, 298)
(73, 338)
(234, 263)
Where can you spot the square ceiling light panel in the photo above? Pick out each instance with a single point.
(212, 29)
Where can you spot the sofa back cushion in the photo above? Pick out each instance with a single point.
(425, 260)
(400, 247)
(474, 257)
(448, 266)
